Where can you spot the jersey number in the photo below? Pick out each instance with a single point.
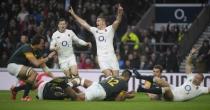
(113, 82)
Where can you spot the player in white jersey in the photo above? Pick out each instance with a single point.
(189, 90)
(62, 41)
(104, 41)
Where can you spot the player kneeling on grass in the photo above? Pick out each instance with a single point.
(112, 88)
(19, 65)
(189, 90)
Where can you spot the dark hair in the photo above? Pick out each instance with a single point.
(126, 73)
(36, 40)
(159, 67)
(201, 74)
(102, 17)
(61, 19)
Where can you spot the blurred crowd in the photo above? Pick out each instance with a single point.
(21, 20)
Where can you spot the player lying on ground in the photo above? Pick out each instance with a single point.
(189, 90)
(104, 41)
(19, 65)
(112, 88)
(157, 72)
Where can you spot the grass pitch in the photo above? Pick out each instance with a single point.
(140, 102)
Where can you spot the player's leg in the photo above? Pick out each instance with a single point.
(74, 71)
(29, 75)
(165, 91)
(65, 67)
(87, 83)
(105, 66)
(167, 94)
(107, 72)
(115, 72)
(24, 73)
(94, 92)
(150, 78)
(67, 73)
(72, 65)
(114, 65)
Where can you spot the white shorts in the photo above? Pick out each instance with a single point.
(14, 69)
(108, 62)
(71, 61)
(95, 92)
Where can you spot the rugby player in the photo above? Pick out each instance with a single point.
(157, 72)
(20, 65)
(112, 88)
(62, 41)
(190, 89)
(104, 35)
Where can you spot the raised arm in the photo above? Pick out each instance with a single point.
(189, 65)
(81, 21)
(118, 17)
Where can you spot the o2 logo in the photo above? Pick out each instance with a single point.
(188, 88)
(101, 39)
(179, 14)
(65, 44)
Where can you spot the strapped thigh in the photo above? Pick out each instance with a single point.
(25, 72)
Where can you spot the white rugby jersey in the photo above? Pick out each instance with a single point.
(64, 42)
(188, 90)
(104, 40)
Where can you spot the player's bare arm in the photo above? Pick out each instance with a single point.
(36, 62)
(81, 21)
(118, 17)
(189, 65)
(121, 96)
(46, 70)
(130, 95)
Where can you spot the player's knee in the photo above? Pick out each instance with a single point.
(107, 73)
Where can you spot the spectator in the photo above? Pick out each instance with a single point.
(131, 37)
(23, 40)
(4, 59)
(203, 54)
(171, 60)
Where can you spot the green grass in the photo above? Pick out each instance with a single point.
(140, 102)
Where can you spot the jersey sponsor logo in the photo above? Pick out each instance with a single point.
(65, 44)
(101, 39)
(188, 88)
